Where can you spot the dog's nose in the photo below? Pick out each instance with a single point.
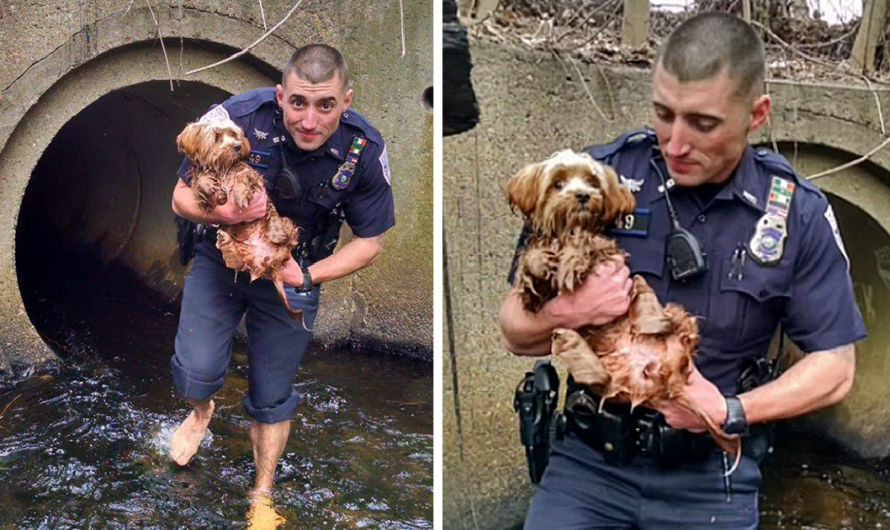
(582, 197)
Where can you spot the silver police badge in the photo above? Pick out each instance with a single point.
(768, 243)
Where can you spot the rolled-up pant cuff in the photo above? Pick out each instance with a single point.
(281, 412)
(192, 385)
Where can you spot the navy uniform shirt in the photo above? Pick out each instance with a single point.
(366, 200)
(739, 302)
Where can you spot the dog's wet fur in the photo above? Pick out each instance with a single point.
(216, 150)
(642, 358)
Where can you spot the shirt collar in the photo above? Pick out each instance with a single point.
(746, 184)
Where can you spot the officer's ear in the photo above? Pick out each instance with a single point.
(759, 112)
(522, 188)
(347, 100)
(279, 95)
(619, 202)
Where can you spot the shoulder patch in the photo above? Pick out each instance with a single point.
(215, 114)
(832, 222)
(384, 164)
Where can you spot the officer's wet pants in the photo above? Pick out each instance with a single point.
(213, 303)
(579, 490)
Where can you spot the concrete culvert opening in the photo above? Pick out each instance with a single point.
(428, 98)
(98, 202)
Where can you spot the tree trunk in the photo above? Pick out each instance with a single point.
(874, 17)
(636, 23)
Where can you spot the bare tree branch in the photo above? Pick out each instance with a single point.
(161, 38)
(402, 19)
(878, 103)
(263, 13)
(246, 50)
(852, 163)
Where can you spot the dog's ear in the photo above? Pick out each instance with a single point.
(522, 188)
(619, 202)
(188, 140)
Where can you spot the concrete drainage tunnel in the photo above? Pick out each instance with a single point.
(99, 200)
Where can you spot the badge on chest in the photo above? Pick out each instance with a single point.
(347, 169)
(767, 245)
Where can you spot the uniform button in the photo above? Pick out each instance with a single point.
(762, 152)
(702, 218)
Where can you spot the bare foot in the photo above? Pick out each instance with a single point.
(262, 514)
(188, 436)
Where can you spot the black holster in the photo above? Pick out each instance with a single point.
(540, 423)
(189, 234)
(185, 239)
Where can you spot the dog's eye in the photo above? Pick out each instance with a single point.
(559, 184)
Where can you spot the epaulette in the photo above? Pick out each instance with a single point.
(600, 152)
(354, 119)
(778, 165)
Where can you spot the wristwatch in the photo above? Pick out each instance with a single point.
(307, 282)
(736, 422)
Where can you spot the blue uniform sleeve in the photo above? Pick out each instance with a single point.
(370, 210)
(822, 313)
(183, 170)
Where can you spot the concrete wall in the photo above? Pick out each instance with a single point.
(531, 106)
(60, 57)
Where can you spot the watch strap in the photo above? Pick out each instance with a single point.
(736, 421)
(307, 281)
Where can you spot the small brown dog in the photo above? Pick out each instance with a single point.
(216, 150)
(642, 358)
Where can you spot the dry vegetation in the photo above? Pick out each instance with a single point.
(800, 46)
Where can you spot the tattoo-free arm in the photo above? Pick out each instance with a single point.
(355, 255)
(819, 380)
(184, 205)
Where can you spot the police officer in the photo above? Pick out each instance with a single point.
(771, 253)
(322, 162)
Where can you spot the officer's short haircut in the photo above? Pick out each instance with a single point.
(700, 48)
(317, 63)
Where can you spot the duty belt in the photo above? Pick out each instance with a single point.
(622, 435)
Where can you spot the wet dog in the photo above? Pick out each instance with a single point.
(216, 149)
(641, 358)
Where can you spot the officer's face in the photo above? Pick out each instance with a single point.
(312, 110)
(703, 126)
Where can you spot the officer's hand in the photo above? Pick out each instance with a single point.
(230, 214)
(704, 396)
(292, 273)
(603, 297)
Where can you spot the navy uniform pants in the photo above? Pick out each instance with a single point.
(580, 490)
(213, 303)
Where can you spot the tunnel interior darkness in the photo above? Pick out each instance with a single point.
(98, 201)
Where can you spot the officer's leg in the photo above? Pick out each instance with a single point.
(211, 309)
(698, 496)
(580, 490)
(275, 349)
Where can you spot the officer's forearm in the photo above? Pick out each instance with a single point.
(184, 205)
(355, 255)
(819, 380)
(525, 333)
